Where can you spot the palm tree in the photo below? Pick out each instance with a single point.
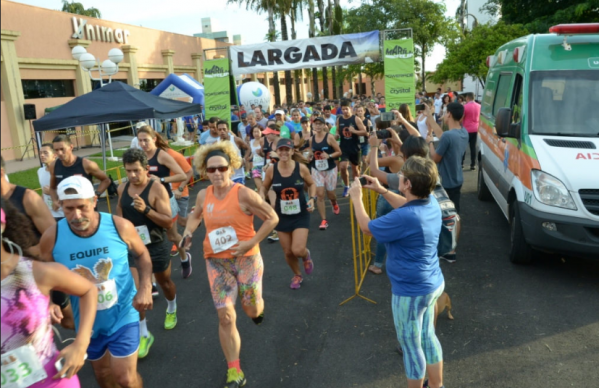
(78, 9)
(285, 36)
(312, 34)
(296, 14)
(324, 31)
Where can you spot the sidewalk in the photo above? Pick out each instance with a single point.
(117, 142)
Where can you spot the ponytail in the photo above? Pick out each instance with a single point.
(160, 142)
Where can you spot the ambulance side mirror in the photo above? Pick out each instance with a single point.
(504, 126)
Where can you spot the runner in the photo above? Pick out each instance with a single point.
(95, 246)
(324, 171)
(47, 157)
(231, 246)
(225, 134)
(28, 203)
(301, 140)
(269, 143)
(256, 158)
(350, 143)
(287, 178)
(28, 351)
(69, 164)
(146, 204)
(364, 146)
(211, 135)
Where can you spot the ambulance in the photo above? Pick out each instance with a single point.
(538, 141)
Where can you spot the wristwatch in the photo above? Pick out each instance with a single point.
(315, 198)
(146, 210)
(181, 188)
(162, 180)
(98, 194)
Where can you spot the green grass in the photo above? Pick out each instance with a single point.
(119, 153)
(116, 153)
(26, 178)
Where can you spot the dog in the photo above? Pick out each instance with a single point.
(443, 302)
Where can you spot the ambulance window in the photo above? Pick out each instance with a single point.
(487, 104)
(503, 89)
(517, 97)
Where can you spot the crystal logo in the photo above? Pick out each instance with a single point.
(257, 92)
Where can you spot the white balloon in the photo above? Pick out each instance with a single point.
(254, 93)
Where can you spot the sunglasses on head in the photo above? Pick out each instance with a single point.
(219, 168)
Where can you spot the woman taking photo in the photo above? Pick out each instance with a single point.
(411, 233)
(231, 246)
(28, 351)
(287, 177)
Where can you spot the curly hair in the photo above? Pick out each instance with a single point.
(19, 229)
(199, 158)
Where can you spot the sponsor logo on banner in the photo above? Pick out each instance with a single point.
(257, 92)
(215, 72)
(398, 52)
(399, 73)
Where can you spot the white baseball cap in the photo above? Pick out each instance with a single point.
(280, 112)
(83, 186)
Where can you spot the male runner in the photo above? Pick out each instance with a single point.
(349, 130)
(146, 204)
(47, 157)
(69, 164)
(225, 134)
(211, 135)
(95, 245)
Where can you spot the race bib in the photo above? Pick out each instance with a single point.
(144, 234)
(107, 294)
(322, 165)
(290, 207)
(258, 160)
(21, 368)
(222, 239)
(362, 139)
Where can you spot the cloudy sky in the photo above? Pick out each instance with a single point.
(184, 17)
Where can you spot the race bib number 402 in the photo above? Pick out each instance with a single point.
(222, 239)
(21, 368)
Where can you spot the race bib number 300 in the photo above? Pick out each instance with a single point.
(107, 294)
(222, 239)
(21, 368)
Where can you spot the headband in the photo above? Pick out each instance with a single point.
(217, 153)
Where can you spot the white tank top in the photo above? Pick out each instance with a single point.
(258, 161)
(422, 127)
(240, 172)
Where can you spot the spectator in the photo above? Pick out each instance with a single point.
(450, 93)
(382, 105)
(471, 122)
(438, 102)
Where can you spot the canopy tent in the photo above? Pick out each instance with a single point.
(180, 86)
(115, 102)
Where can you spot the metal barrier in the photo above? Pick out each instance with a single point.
(361, 244)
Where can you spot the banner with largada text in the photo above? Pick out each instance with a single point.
(399, 73)
(216, 89)
(298, 54)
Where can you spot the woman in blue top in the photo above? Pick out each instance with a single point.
(411, 233)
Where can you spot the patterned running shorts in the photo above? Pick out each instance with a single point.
(327, 179)
(237, 276)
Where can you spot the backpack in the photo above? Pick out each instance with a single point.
(448, 236)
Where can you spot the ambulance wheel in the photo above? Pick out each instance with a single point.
(520, 251)
(482, 190)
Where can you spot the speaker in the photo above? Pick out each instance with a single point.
(30, 113)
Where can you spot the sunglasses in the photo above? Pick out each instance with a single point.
(219, 168)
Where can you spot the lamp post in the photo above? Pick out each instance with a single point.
(109, 67)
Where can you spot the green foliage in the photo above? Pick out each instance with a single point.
(79, 9)
(538, 15)
(469, 55)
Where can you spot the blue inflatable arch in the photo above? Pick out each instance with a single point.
(180, 86)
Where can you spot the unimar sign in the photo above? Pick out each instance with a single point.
(334, 50)
(83, 30)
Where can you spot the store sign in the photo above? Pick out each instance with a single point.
(83, 30)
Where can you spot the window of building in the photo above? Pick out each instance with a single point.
(48, 88)
(147, 85)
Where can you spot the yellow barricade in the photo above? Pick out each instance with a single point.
(361, 244)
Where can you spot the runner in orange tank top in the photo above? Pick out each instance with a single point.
(231, 246)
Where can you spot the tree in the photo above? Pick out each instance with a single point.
(79, 9)
(324, 31)
(312, 34)
(468, 57)
(538, 15)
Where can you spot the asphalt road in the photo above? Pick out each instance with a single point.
(531, 326)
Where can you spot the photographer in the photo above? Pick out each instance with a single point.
(411, 233)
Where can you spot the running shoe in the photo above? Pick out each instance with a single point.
(345, 191)
(336, 209)
(154, 291)
(186, 266)
(170, 321)
(296, 282)
(323, 225)
(144, 345)
(450, 257)
(274, 236)
(308, 263)
(235, 378)
(174, 250)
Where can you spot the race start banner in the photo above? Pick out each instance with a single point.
(216, 89)
(400, 81)
(336, 50)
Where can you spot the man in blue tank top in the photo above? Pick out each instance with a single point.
(95, 245)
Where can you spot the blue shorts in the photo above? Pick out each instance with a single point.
(240, 180)
(365, 148)
(123, 343)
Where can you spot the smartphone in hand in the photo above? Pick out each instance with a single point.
(363, 181)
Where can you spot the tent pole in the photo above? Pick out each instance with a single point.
(110, 144)
(103, 144)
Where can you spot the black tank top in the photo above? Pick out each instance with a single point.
(160, 170)
(319, 148)
(349, 142)
(306, 143)
(16, 199)
(61, 172)
(266, 149)
(290, 193)
(139, 219)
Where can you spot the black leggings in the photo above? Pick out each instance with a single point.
(472, 142)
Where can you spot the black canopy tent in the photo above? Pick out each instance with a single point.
(115, 102)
